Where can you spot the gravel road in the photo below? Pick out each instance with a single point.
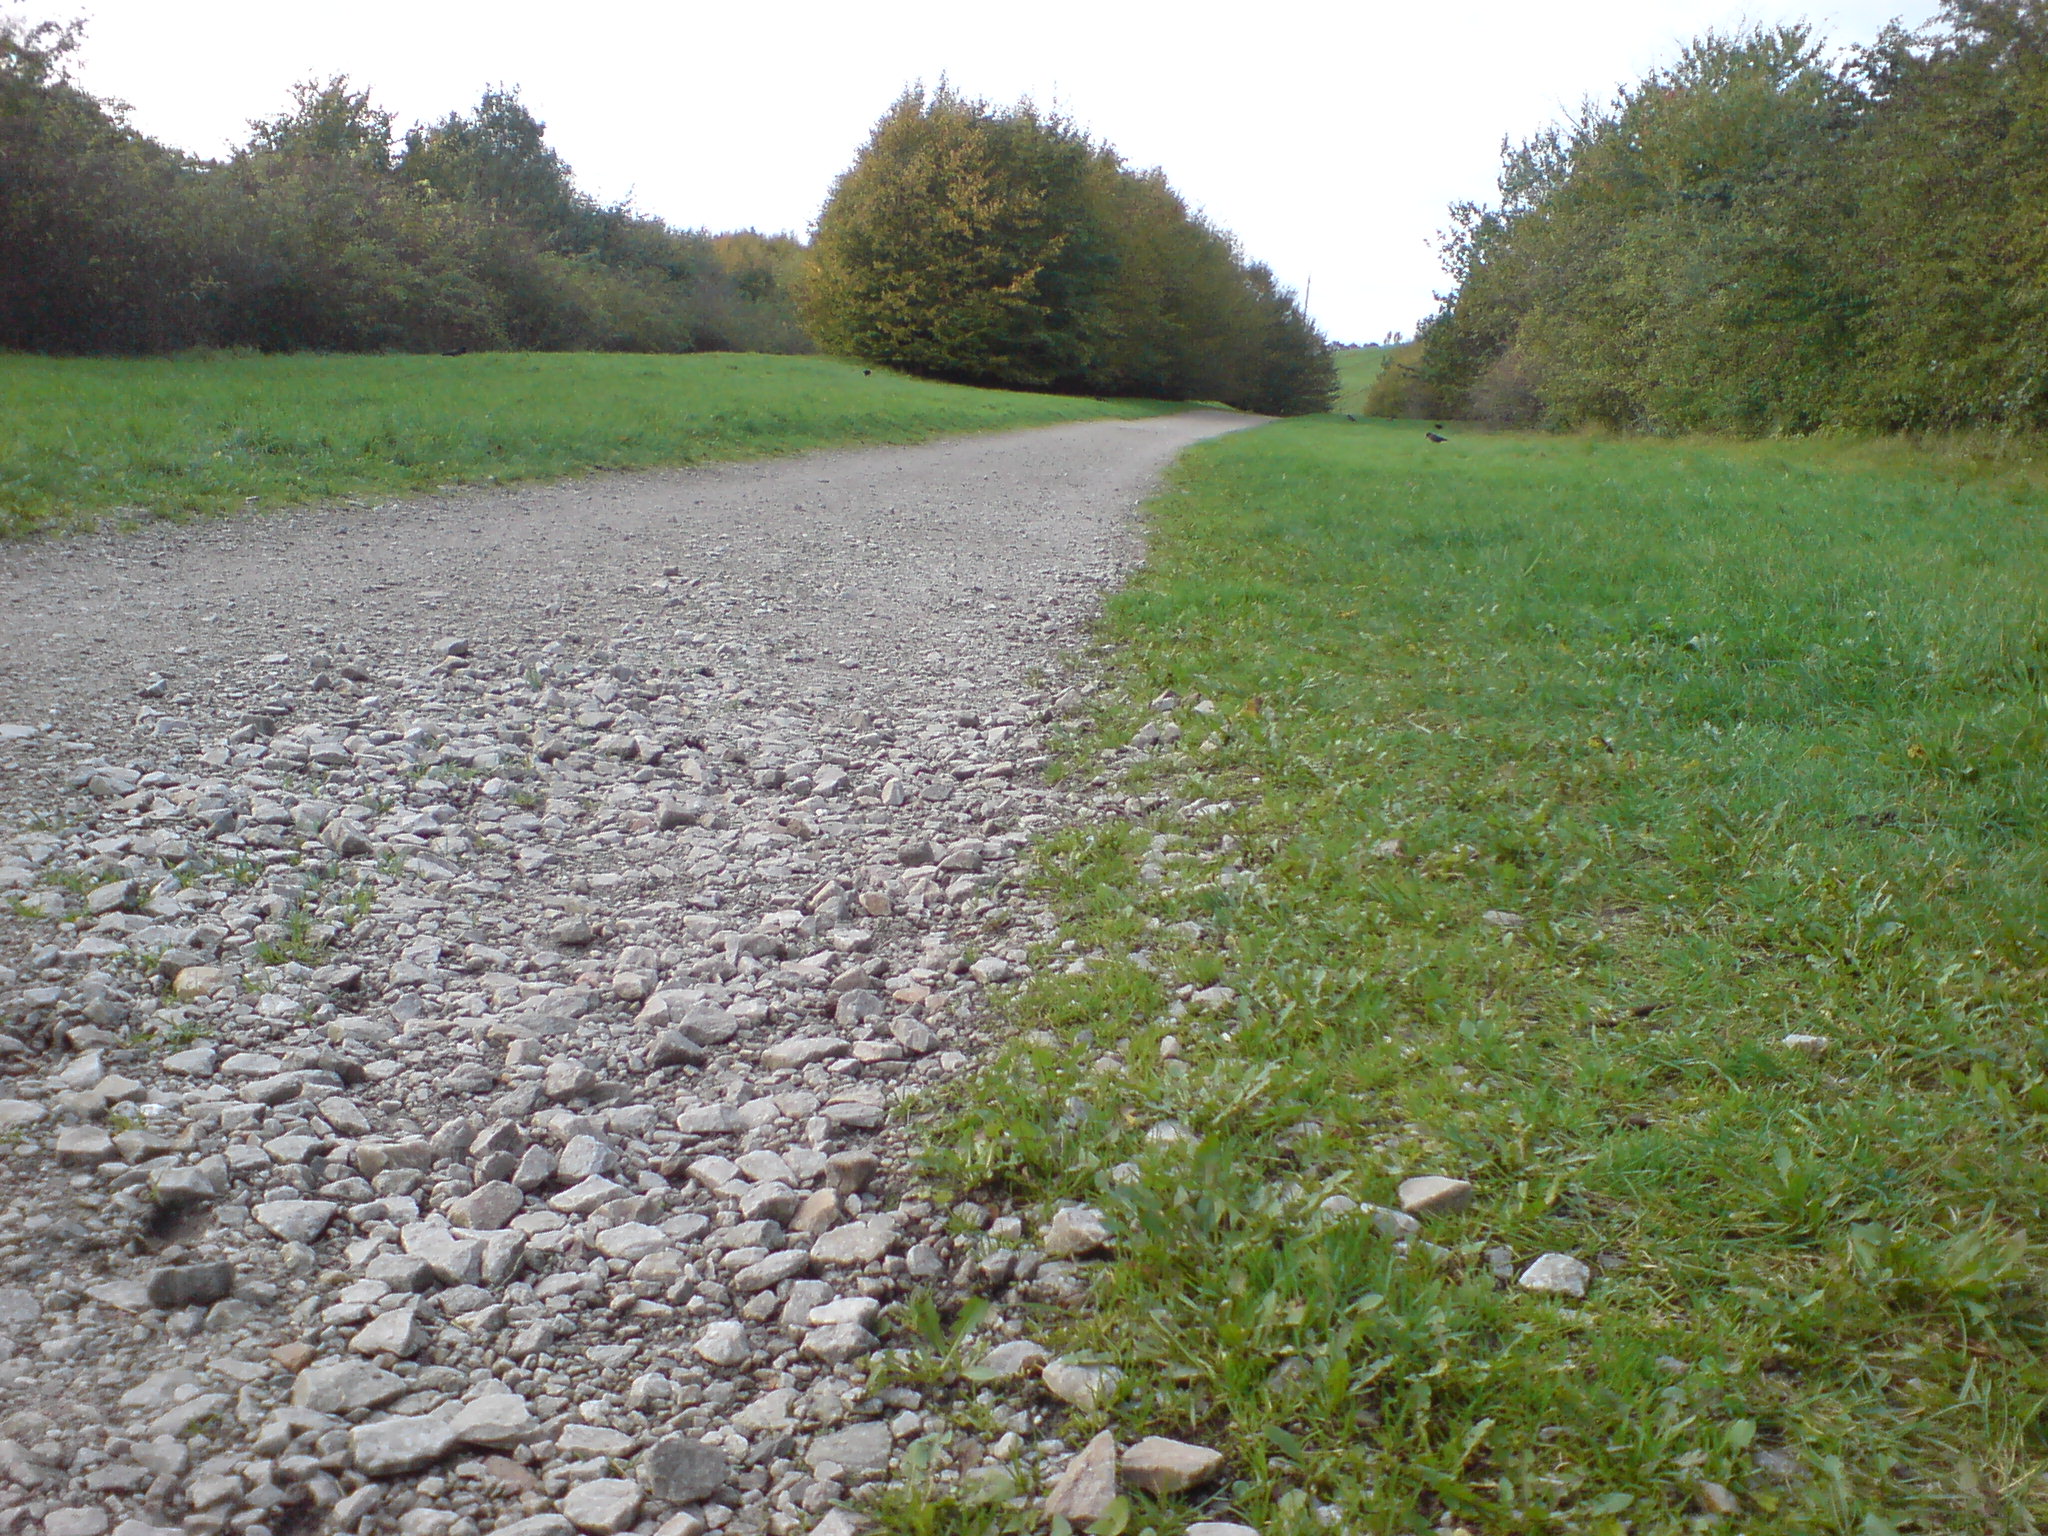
(461, 958)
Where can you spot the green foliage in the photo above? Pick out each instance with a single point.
(1398, 389)
(324, 232)
(1743, 741)
(98, 250)
(1761, 238)
(211, 431)
(1004, 247)
(498, 158)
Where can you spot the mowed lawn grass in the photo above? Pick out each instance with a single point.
(1563, 779)
(208, 431)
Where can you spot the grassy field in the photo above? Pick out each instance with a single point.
(1357, 367)
(1564, 779)
(205, 432)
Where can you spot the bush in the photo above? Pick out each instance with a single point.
(1400, 391)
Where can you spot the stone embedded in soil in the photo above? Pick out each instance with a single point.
(1007, 1362)
(724, 1344)
(345, 1386)
(679, 1470)
(84, 1146)
(837, 1343)
(1077, 1231)
(863, 1450)
(191, 1285)
(535, 1525)
(498, 1421)
(1085, 1489)
(19, 1115)
(390, 1446)
(592, 1440)
(1086, 1387)
(1431, 1195)
(1156, 1465)
(1398, 1225)
(1556, 1274)
(858, 1242)
(295, 1221)
(397, 1332)
(487, 1209)
(603, 1506)
(1715, 1499)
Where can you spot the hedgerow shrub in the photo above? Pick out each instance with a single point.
(1766, 237)
(327, 231)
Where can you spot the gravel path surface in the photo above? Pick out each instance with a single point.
(460, 961)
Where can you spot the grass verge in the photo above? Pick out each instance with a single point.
(210, 431)
(1528, 792)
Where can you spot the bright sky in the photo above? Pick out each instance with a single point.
(1329, 135)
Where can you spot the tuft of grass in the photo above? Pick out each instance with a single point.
(1563, 778)
(207, 432)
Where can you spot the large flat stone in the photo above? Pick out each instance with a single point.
(338, 1387)
(680, 1470)
(391, 1446)
(858, 1242)
(862, 1449)
(1157, 1465)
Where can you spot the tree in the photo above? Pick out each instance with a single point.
(1001, 246)
(958, 246)
(498, 158)
(328, 121)
(100, 252)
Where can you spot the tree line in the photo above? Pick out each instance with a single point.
(1767, 237)
(328, 230)
(987, 246)
(1002, 246)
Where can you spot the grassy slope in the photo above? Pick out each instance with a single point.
(1357, 367)
(208, 431)
(1748, 744)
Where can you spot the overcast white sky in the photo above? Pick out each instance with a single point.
(1329, 136)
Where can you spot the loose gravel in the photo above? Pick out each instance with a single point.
(462, 959)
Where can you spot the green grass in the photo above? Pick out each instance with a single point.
(1747, 741)
(1357, 367)
(209, 431)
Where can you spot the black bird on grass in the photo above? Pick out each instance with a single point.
(1436, 437)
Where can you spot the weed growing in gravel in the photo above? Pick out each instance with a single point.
(122, 1118)
(187, 1030)
(299, 942)
(1562, 780)
(208, 432)
(76, 881)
